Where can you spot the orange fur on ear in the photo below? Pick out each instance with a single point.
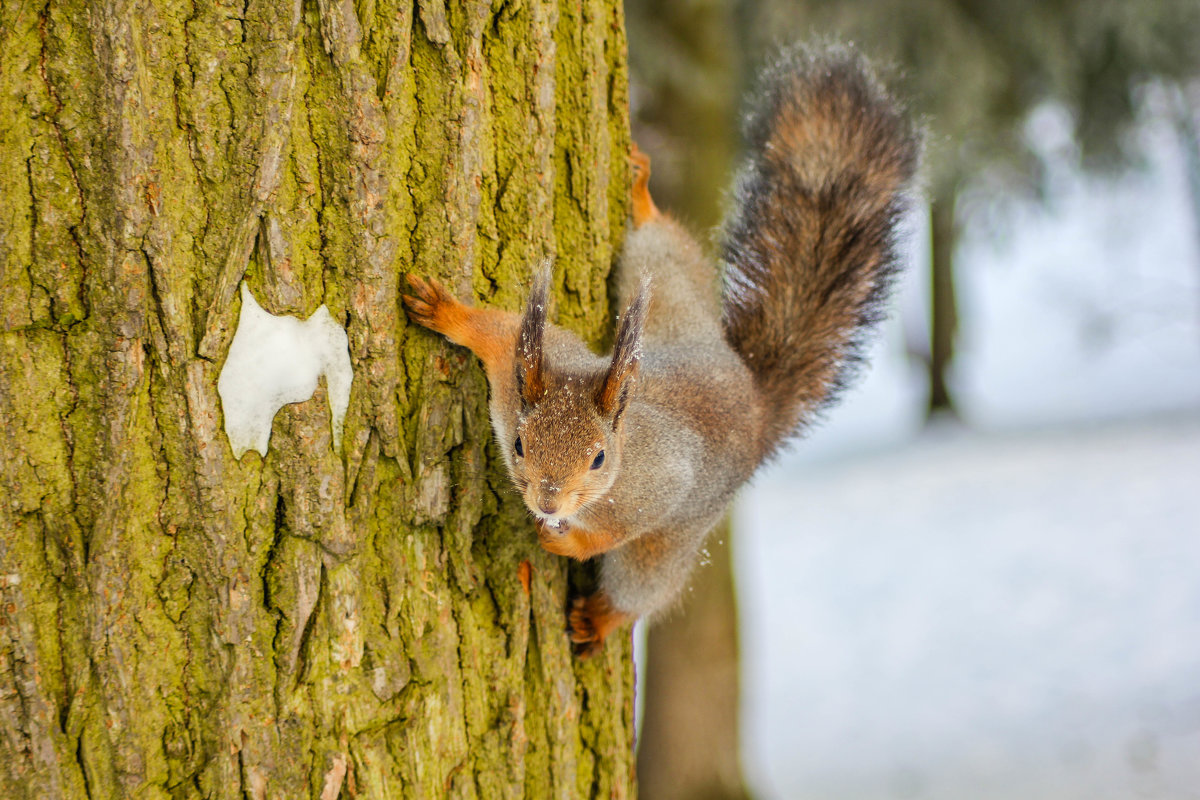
(530, 361)
(614, 391)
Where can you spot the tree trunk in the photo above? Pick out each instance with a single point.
(375, 623)
(943, 322)
(690, 745)
(1184, 110)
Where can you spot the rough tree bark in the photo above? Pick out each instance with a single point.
(380, 623)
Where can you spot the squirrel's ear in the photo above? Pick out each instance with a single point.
(530, 366)
(627, 351)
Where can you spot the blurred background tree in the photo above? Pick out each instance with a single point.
(1185, 100)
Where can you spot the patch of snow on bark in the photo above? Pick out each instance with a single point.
(274, 361)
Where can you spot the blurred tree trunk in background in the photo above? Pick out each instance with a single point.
(690, 745)
(943, 306)
(379, 623)
(684, 84)
(1185, 108)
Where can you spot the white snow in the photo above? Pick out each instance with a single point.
(977, 615)
(275, 360)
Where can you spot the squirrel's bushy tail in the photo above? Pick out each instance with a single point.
(810, 251)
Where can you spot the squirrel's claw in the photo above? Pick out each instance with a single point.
(582, 630)
(589, 622)
(429, 298)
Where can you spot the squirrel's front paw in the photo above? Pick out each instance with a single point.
(551, 532)
(558, 538)
(429, 304)
(563, 539)
(591, 619)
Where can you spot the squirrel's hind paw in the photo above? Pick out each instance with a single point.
(589, 622)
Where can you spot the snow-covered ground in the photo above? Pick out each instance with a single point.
(1010, 607)
(978, 616)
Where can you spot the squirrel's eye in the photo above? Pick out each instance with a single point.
(598, 461)
(520, 450)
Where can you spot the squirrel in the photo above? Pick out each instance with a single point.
(635, 457)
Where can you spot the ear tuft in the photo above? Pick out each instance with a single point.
(627, 351)
(530, 361)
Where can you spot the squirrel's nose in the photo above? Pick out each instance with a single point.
(547, 505)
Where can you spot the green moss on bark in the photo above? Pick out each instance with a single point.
(174, 623)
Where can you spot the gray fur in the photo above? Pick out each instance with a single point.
(685, 453)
